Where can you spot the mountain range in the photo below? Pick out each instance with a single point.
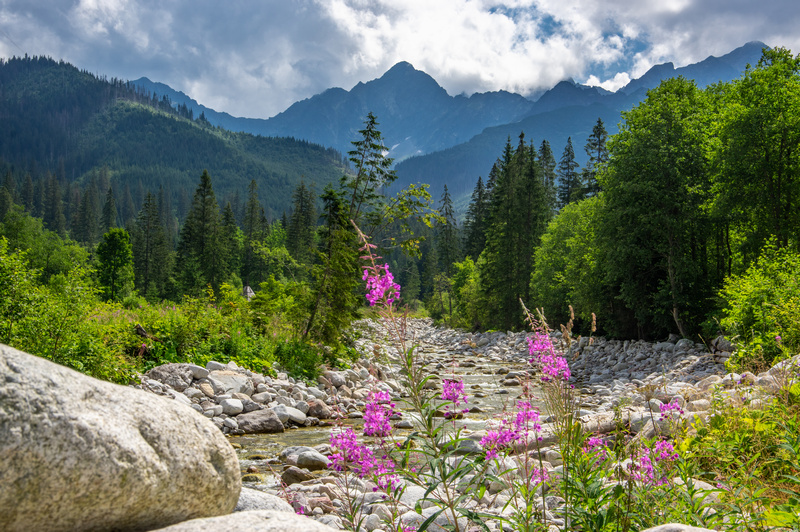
(441, 139)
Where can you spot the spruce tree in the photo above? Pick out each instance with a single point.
(475, 221)
(302, 225)
(109, 217)
(201, 260)
(231, 240)
(53, 210)
(115, 264)
(547, 164)
(253, 228)
(569, 184)
(598, 158)
(448, 244)
(151, 253)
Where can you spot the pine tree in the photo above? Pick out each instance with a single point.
(115, 264)
(87, 226)
(448, 244)
(302, 225)
(201, 260)
(253, 228)
(109, 217)
(475, 221)
(569, 184)
(53, 212)
(232, 240)
(28, 194)
(598, 158)
(547, 163)
(151, 254)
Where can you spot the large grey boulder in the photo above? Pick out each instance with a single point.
(252, 521)
(250, 499)
(227, 381)
(178, 376)
(77, 453)
(260, 422)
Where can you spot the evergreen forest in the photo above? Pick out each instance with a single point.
(133, 234)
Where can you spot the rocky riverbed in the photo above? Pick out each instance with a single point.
(80, 454)
(631, 377)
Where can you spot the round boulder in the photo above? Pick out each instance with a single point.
(252, 521)
(77, 453)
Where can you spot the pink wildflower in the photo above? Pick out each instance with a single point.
(380, 285)
(377, 413)
(544, 355)
(453, 391)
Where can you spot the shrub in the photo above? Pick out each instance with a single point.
(762, 309)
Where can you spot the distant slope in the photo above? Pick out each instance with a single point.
(416, 115)
(68, 122)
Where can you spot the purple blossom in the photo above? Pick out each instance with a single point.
(524, 422)
(377, 413)
(544, 355)
(644, 465)
(498, 440)
(597, 447)
(667, 410)
(348, 453)
(453, 391)
(539, 476)
(380, 285)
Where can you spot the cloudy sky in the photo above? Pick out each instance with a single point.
(256, 57)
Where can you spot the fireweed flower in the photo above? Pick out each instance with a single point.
(453, 391)
(597, 447)
(544, 355)
(380, 285)
(644, 466)
(377, 413)
(346, 453)
(525, 422)
(668, 410)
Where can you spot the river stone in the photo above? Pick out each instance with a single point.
(260, 422)
(295, 475)
(319, 410)
(250, 499)
(227, 381)
(198, 372)
(335, 378)
(287, 413)
(77, 453)
(178, 376)
(312, 460)
(231, 407)
(252, 521)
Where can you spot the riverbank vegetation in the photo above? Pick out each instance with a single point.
(685, 223)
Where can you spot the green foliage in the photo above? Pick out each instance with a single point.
(45, 250)
(654, 224)
(762, 309)
(567, 268)
(115, 264)
(470, 303)
(300, 359)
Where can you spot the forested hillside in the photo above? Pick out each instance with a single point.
(685, 222)
(73, 125)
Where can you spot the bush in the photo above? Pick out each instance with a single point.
(762, 309)
(300, 359)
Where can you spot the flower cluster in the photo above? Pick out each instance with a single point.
(668, 410)
(377, 412)
(453, 391)
(539, 476)
(643, 466)
(544, 355)
(596, 447)
(380, 285)
(525, 422)
(346, 453)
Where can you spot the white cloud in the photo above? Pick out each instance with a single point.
(617, 82)
(256, 58)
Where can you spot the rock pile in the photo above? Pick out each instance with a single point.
(239, 401)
